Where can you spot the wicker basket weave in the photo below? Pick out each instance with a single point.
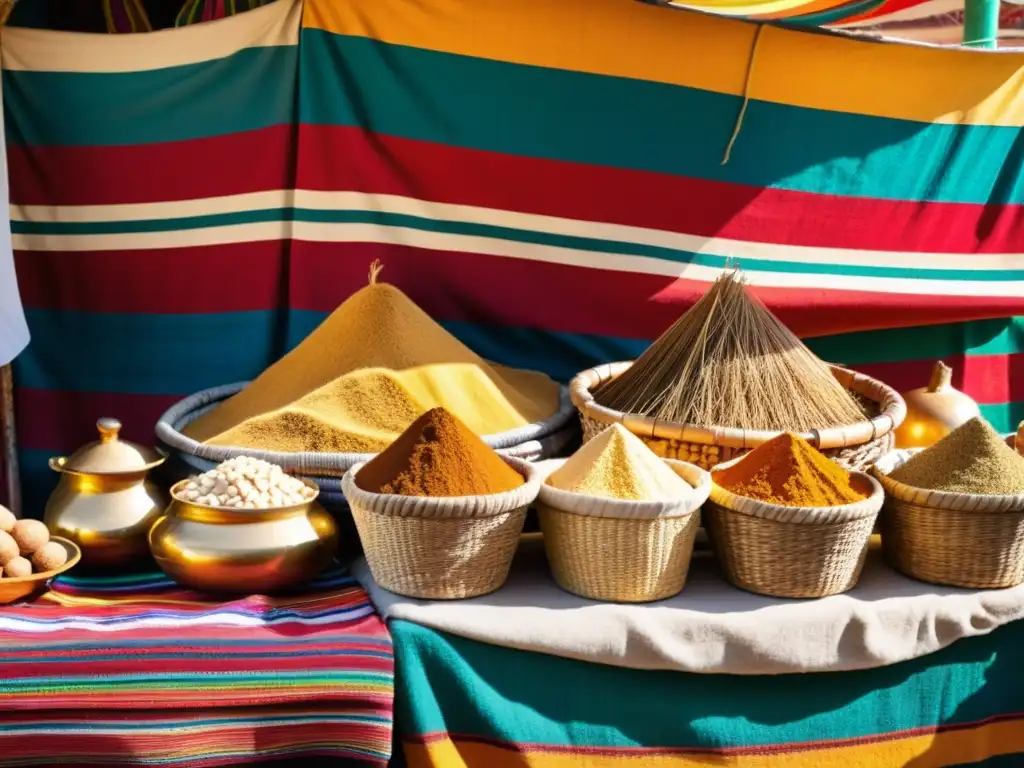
(441, 548)
(854, 446)
(785, 551)
(955, 539)
(319, 465)
(621, 551)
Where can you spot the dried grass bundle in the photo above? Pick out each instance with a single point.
(730, 362)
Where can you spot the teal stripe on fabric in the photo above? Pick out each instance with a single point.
(147, 354)
(549, 113)
(252, 89)
(1002, 336)
(535, 237)
(455, 685)
(37, 481)
(182, 354)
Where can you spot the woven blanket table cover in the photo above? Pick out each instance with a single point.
(463, 703)
(135, 670)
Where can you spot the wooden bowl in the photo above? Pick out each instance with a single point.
(12, 590)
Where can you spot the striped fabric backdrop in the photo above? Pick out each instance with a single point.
(308, 674)
(545, 178)
(463, 704)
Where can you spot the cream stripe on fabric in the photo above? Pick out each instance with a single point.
(395, 204)
(275, 24)
(374, 233)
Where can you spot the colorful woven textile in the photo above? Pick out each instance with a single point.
(551, 189)
(463, 703)
(163, 674)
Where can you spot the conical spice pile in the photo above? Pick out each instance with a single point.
(375, 365)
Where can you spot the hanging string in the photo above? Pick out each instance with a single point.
(746, 96)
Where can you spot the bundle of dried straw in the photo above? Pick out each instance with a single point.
(729, 362)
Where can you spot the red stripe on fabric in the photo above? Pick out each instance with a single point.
(448, 285)
(222, 165)
(60, 421)
(187, 663)
(233, 277)
(472, 287)
(335, 158)
(989, 379)
(338, 158)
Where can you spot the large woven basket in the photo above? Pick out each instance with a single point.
(854, 446)
(784, 551)
(621, 551)
(965, 540)
(313, 464)
(441, 548)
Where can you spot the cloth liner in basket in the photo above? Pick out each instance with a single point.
(969, 540)
(853, 446)
(441, 548)
(616, 550)
(313, 464)
(782, 551)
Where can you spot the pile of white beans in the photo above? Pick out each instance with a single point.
(246, 483)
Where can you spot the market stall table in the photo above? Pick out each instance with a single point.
(925, 687)
(134, 669)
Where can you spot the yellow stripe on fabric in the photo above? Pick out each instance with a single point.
(969, 745)
(275, 24)
(645, 42)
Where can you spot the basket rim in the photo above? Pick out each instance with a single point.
(894, 411)
(444, 508)
(841, 513)
(944, 501)
(174, 419)
(587, 505)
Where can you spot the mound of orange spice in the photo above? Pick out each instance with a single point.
(789, 471)
(438, 455)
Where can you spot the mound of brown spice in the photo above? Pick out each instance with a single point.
(438, 456)
(789, 471)
(973, 458)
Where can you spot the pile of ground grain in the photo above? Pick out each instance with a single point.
(438, 456)
(973, 458)
(364, 375)
(789, 471)
(618, 465)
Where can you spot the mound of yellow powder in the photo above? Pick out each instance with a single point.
(618, 465)
(374, 366)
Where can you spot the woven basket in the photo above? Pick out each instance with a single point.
(783, 551)
(441, 548)
(621, 551)
(854, 446)
(965, 540)
(313, 464)
(555, 444)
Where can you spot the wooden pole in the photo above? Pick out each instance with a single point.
(9, 441)
(981, 23)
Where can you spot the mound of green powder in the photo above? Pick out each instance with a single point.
(973, 458)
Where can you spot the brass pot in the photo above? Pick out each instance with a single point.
(103, 501)
(221, 549)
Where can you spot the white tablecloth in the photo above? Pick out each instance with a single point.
(712, 627)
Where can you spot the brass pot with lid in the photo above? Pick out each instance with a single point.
(104, 501)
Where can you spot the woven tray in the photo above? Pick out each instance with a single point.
(320, 465)
(621, 551)
(966, 540)
(854, 446)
